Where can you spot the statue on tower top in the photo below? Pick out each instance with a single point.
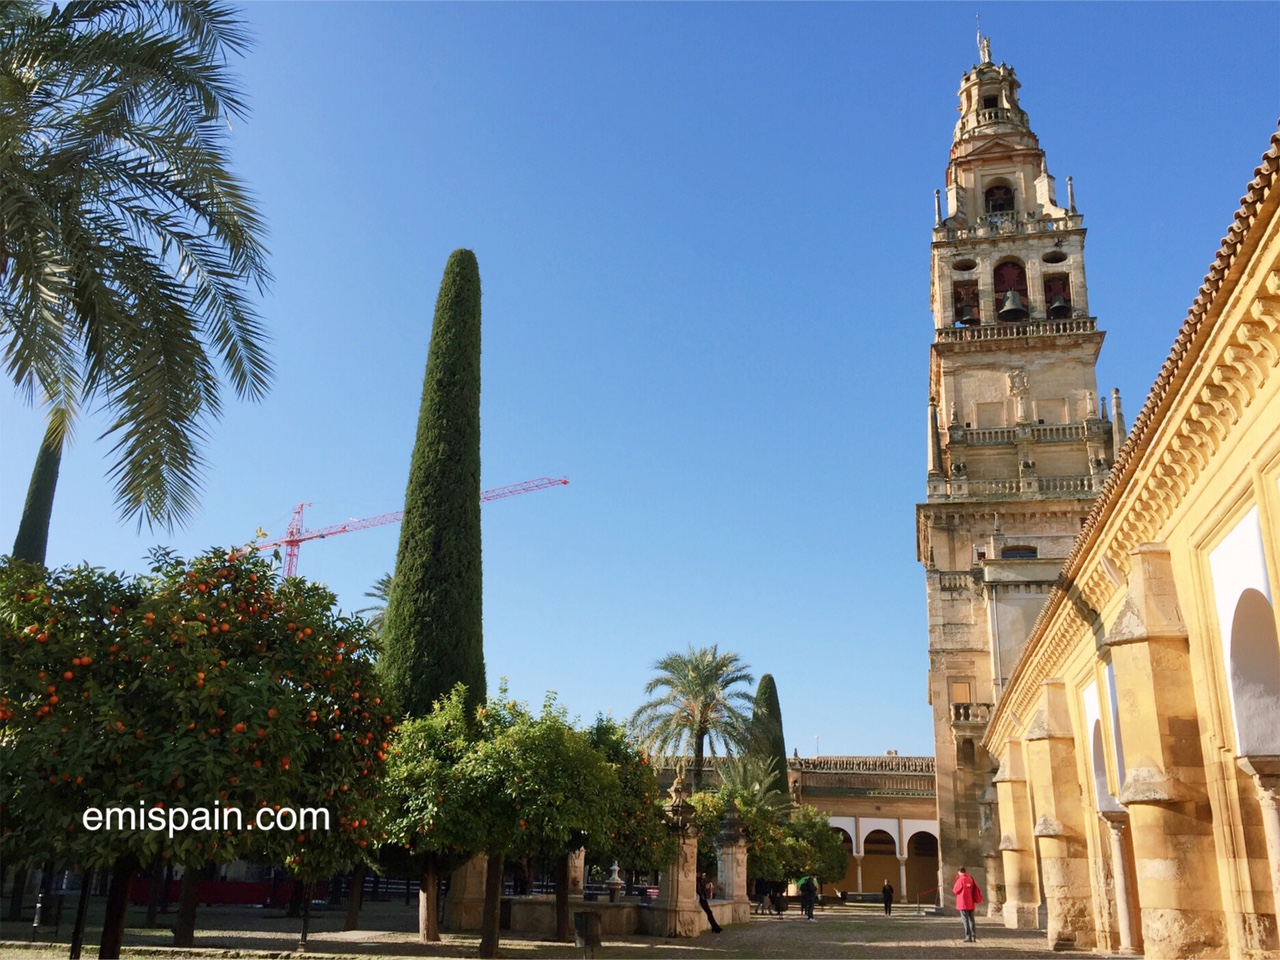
(984, 44)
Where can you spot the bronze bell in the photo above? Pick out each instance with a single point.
(1012, 308)
(967, 316)
(1059, 309)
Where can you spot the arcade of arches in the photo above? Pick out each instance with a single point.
(885, 809)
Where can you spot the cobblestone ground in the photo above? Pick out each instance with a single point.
(390, 931)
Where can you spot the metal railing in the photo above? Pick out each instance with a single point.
(937, 900)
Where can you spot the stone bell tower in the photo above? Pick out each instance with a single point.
(1018, 444)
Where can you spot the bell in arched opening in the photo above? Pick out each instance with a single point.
(1012, 307)
(1059, 309)
(967, 316)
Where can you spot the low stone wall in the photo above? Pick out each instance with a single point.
(537, 915)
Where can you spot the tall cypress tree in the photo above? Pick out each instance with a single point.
(767, 741)
(432, 633)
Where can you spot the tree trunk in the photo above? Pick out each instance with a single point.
(113, 923)
(155, 893)
(354, 897)
(489, 932)
(82, 909)
(15, 895)
(37, 513)
(564, 930)
(698, 742)
(428, 901)
(306, 915)
(184, 927)
(295, 900)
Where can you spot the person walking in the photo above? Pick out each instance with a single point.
(886, 894)
(968, 896)
(759, 893)
(808, 894)
(706, 891)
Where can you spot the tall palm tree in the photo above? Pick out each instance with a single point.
(702, 705)
(127, 248)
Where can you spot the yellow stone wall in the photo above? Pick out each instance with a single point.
(1158, 650)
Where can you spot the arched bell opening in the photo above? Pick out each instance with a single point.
(1010, 284)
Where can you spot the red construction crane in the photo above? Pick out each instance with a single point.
(295, 536)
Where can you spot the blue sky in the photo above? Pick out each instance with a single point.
(703, 235)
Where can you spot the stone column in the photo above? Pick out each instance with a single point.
(731, 866)
(1116, 823)
(1170, 819)
(677, 913)
(1064, 852)
(464, 906)
(1017, 844)
(1266, 776)
(902, 880)
(858, 860)
(577, 870)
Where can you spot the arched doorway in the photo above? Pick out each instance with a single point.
(922, 866)
(880, 861)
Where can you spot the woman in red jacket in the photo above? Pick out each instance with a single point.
(968, 896)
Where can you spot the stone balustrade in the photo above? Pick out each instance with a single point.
(952, 488)
(1013, 331)
(997, 225)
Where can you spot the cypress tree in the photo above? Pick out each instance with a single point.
(432, 633)
(767, 741)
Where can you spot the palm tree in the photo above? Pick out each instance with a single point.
(376, 614)
(701, 706)
(755, 781)
(127, 248)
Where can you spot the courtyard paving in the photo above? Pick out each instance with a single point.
(390, 931)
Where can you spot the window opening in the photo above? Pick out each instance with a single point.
(999, 199)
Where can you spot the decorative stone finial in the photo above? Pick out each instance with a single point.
(730, 826)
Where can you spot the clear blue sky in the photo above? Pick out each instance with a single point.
(703, 234)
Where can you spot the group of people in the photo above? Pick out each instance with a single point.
(965, 889)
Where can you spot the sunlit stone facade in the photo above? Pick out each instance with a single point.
(1019, 445)
(1138, 735)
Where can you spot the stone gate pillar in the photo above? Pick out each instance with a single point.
(464, 906)
(1064, 852)
(1170, 819)
(677, 912)
(1017, 845)
(577, 870)
(731, 864)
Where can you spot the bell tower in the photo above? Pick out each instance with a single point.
(1018, 444)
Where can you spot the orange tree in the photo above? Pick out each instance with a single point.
(638, 838)
(539, 789)
(168, 701)
(430, 818)
(784, 842)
